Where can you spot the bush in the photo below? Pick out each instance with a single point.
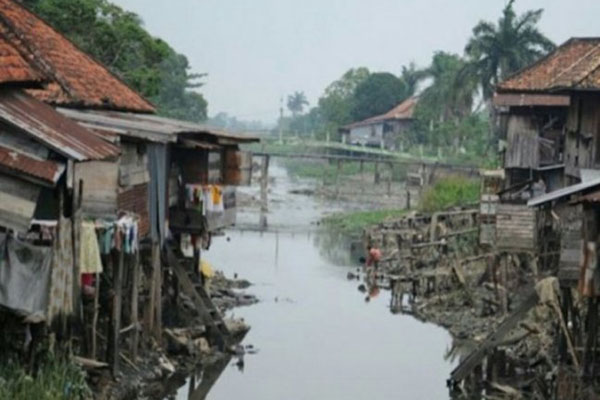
(450, 192)
(55, 379)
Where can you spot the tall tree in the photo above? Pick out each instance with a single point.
(296, 103)
(412, 77)
(118, 39)
(378, 93)
(497, 50)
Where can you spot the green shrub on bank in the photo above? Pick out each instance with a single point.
(55, 379)
(355, 222)
(450, 192)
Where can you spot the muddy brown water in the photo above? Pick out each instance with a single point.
(315, 336)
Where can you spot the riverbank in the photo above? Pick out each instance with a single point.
(496, 307)
(184, 349)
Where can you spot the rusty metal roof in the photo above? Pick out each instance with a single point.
(52, 129)
(77, 79)
(403, 111)
(574, 65)
(151, 127)
(18, 163)
(531, 99)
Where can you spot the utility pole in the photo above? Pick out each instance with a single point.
(281, 120)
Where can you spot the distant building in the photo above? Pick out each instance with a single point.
(383, 131)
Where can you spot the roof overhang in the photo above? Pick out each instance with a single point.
(531, 100)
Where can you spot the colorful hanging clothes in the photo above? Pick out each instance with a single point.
(89, 251)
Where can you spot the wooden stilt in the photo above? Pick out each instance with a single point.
(376, 175)
(264, 184)
(118, 288)
(337, 178)
(134, 306)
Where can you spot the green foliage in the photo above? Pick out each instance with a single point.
(450, 192)
(118, 39)
(497, 50)
(296, 103)
(356, 221)
(55, 379)
(337, 103)
(377, 94)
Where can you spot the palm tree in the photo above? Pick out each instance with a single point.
(450, 94)
(296, 103)
(496, 51)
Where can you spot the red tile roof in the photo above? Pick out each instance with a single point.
(402, 111)
(12, 161)
(14, 69)
(574, 65)
(78, 79)
(46, 125)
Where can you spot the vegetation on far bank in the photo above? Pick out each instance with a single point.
(355, 222)
(450, 192)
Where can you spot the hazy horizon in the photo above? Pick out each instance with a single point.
(257, 52)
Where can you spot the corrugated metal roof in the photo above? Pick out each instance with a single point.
(148, 127)
(573, 65)
(42, 122)
(77, 79)
(12, 161)
(567, 191)
(528, 99)
(402, 111)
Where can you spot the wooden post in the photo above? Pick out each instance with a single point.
(337, 178)
(376, 175)
(134, 305)
(407, 199)
(264, 184)
(118, 288)
(95, 318)
(76, 233)
(389, 180)
(504, 294)
(157, 279)
(362, 167)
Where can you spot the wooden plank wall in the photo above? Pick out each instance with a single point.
(133, 167)
(516, 227)
(522, 138)
(583, 129)
(100, 187)
(18, 201)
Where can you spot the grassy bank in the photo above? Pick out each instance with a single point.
(450, 192)
(55, 379)
(355, 222)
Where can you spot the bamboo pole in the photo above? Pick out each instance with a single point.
(117, 305)
(134, 305)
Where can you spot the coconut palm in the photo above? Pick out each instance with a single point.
(497, 50)
(296, 103)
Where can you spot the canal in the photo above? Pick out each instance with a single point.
(314, 335)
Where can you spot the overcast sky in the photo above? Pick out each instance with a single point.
(256, 51)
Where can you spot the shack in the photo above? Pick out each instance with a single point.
(383, 131)
(579, 279)
(116, 173)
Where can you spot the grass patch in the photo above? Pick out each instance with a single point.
(355, 222)
(450, 192)
(55, 379)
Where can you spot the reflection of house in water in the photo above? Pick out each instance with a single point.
(385, 130)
